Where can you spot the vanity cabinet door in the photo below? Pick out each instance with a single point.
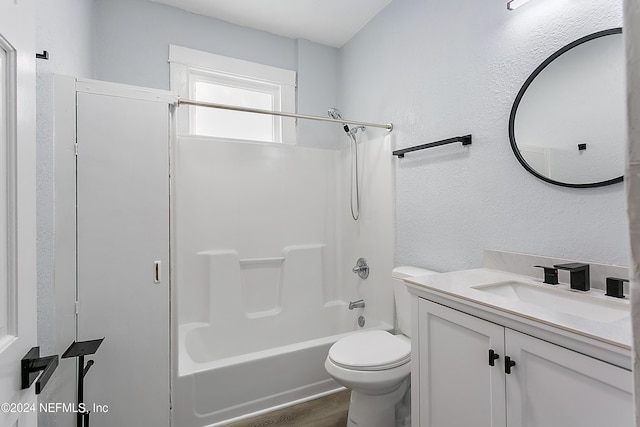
(457, 386)
(551, 386)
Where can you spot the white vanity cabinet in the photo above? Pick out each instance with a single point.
(549, 385)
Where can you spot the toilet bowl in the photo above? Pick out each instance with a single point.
(376, 365)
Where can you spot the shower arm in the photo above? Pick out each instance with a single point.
(388, 126)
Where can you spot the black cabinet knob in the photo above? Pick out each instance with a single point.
(493, 356)
(508, 364)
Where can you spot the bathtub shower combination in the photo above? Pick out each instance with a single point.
(262, 252)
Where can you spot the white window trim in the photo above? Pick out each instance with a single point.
(182, 61)
(8, 192)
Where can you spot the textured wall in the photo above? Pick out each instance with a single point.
(632, 28)
(64, 29)
(440, 69)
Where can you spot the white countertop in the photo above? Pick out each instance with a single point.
(459, 286)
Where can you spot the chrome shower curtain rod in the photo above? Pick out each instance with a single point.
(388, 127)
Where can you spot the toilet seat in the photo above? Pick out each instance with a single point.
(370, 351)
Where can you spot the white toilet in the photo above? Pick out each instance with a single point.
(376, 366)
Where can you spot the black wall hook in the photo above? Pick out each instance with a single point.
(31, 365)
(44, 55)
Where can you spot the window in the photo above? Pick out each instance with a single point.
(218, 79)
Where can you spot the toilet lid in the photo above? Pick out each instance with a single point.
(370, 351)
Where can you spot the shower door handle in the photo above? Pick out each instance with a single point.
(157, 269)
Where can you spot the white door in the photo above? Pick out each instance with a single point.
(458, 387)
(123, 252)
(17, 208)
(551, 386)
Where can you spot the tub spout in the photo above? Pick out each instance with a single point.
(356, 304)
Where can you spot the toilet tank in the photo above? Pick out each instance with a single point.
(401, 296)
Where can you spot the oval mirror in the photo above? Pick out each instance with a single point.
(568, 122)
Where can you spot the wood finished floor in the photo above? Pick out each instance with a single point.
(328, 411)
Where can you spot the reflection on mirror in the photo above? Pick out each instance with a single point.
(567, 124)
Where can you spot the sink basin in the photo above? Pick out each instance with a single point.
(559, 300)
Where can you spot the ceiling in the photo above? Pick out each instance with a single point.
(328, 22)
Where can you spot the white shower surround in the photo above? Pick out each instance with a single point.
(263, 246)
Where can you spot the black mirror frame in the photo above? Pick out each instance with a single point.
(516, 103)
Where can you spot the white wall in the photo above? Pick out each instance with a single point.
(441, 69)
(132, 40)
(632, 29)
(318, 81)
(64, 29)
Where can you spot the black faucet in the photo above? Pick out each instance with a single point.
(615, 287)
(550, 274)
(579, 275)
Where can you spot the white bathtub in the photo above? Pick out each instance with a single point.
(216, 392)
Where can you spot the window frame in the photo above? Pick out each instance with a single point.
(8, 193)
(189, 65)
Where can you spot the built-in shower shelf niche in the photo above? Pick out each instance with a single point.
(248, 261)
(263, 287)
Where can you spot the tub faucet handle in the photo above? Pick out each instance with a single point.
(361, 268)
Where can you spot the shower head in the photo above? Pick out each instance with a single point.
(334, 113)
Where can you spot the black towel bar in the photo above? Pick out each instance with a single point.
(466, 140)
